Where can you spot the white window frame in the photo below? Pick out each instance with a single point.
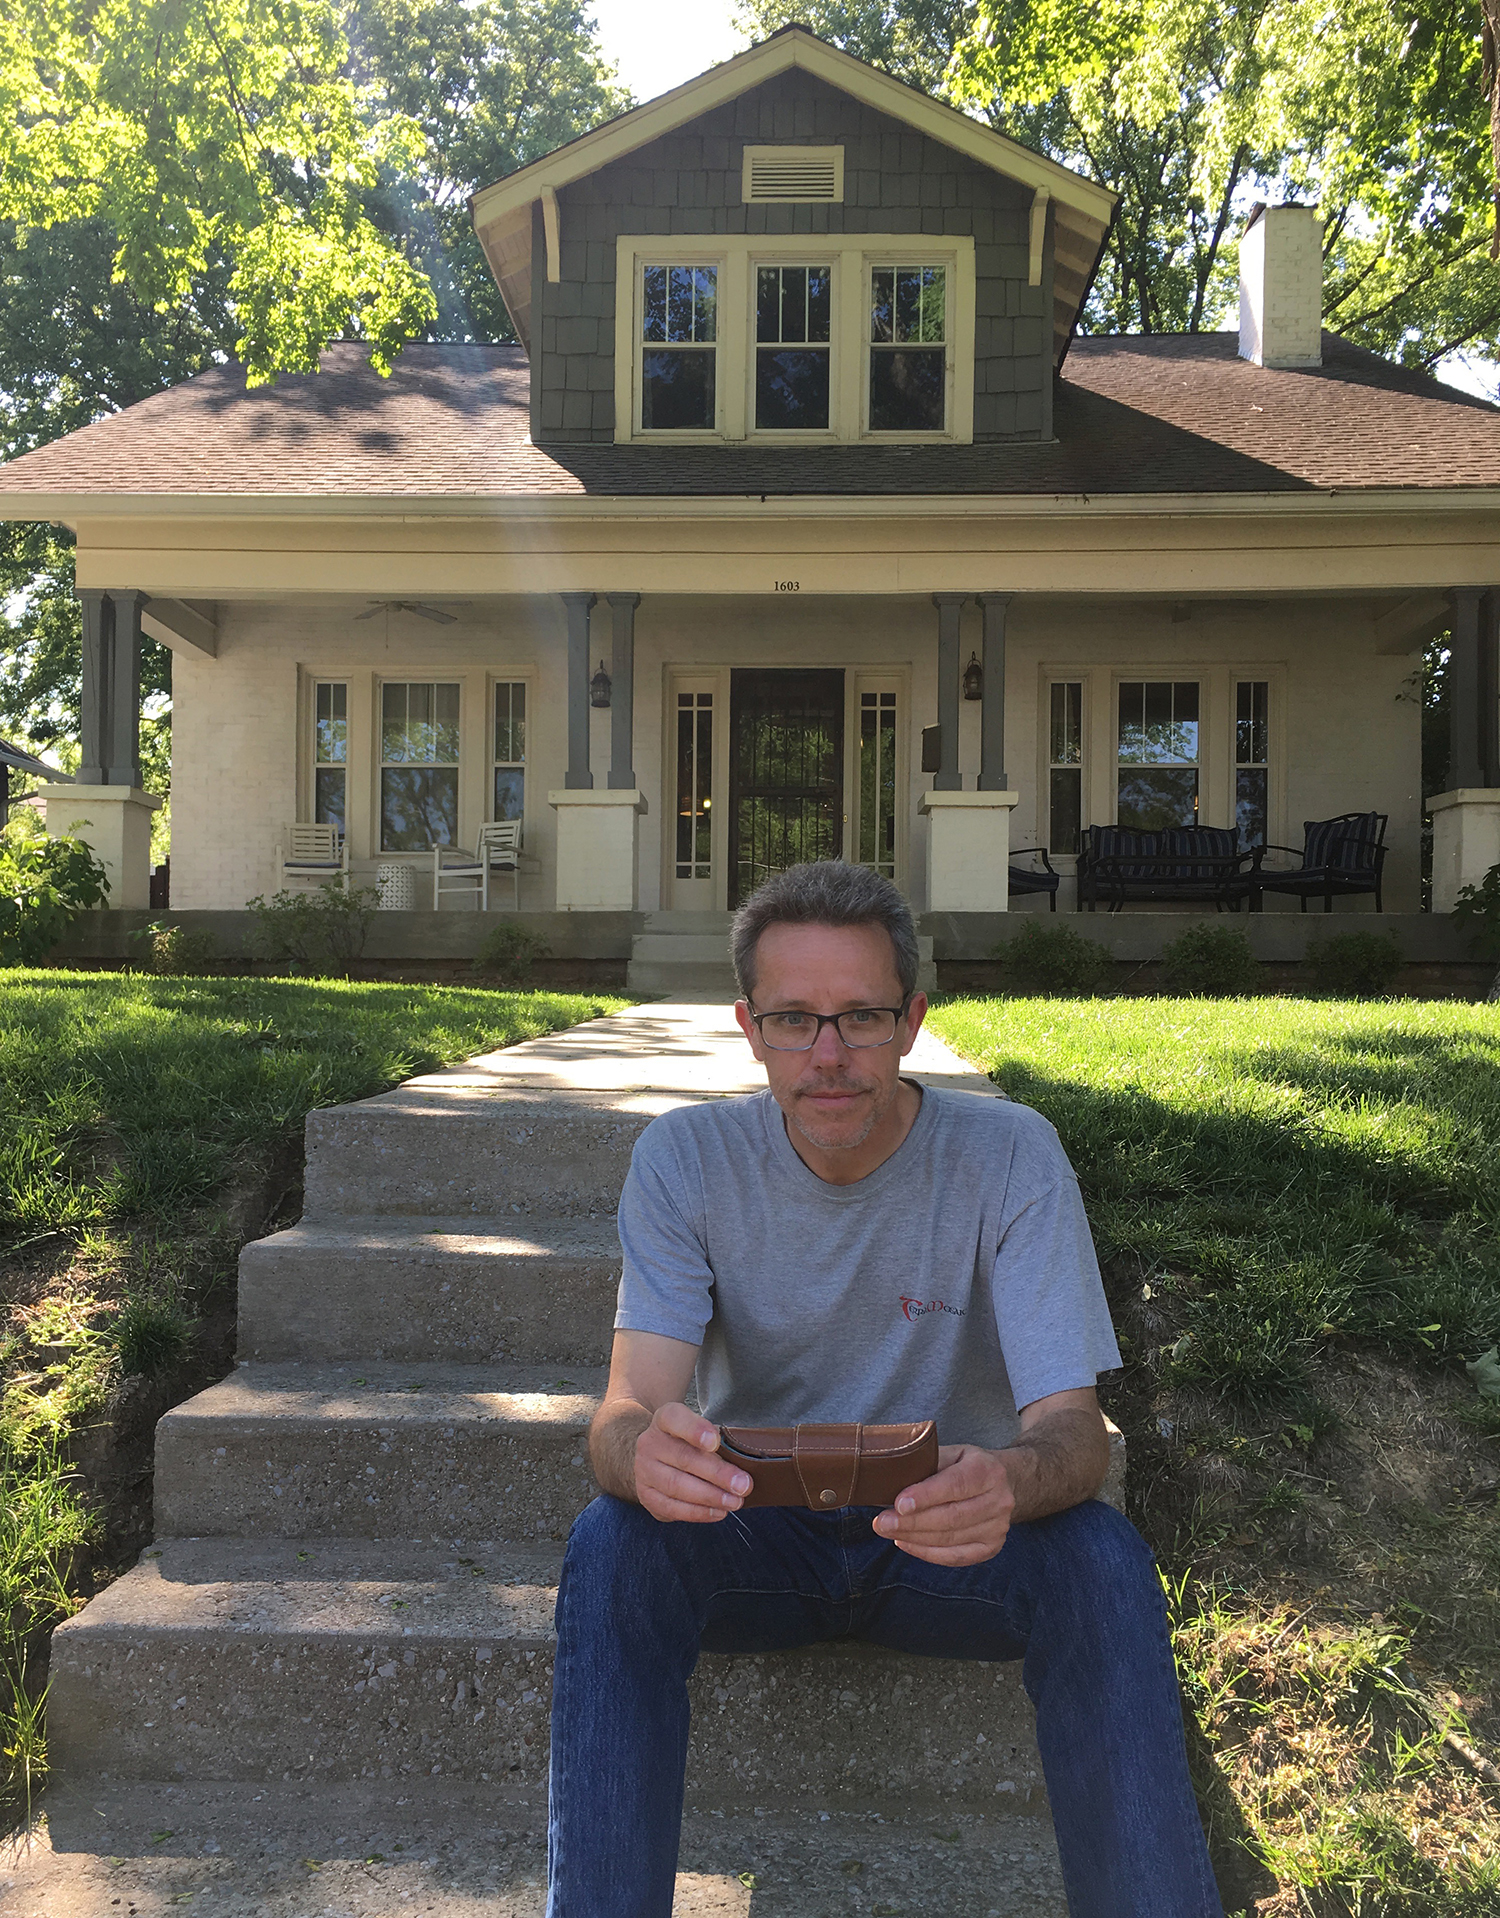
(852, 258)
(379, 767)
(492, 682)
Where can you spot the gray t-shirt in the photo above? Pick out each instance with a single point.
(957, 1282)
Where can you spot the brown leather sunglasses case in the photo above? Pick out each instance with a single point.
(826, 1466)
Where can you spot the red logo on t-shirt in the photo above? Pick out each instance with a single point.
(919, 1308)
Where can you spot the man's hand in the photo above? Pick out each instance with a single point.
(960, 1515)
(678, 1473)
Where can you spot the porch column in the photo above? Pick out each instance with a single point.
(1466, 818)
(105, 807)
(992, 714)
(1465, 715)
(622, 692)
(95, 712)
(950, 607)
(124, 764)
(578, 777)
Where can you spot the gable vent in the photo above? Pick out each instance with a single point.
(793, 173)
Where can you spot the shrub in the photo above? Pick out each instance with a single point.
(44, 885)
(174, 950)
(1210, 962)
(509, 953)
(1478, 914)
(328, 922)
(1052, 959)
(1355, 965)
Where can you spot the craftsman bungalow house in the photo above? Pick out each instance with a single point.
(801, 522)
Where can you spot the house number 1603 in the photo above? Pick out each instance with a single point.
(789, 586)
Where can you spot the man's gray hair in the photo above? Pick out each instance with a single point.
(825, 892)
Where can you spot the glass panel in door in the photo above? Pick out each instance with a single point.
(786, 785)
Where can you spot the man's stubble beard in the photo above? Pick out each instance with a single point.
(845, 1143)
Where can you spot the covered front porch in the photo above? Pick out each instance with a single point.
(661, 752)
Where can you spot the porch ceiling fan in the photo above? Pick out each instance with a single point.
(416, 606)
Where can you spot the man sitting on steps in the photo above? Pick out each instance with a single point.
(776, 1243)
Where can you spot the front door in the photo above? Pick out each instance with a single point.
(786, 773)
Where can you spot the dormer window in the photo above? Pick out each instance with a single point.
(793, 347)
(908, 349)
(794, 338)
(679, 347)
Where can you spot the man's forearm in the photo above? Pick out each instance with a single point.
(613, 1436)
(1059, 1462)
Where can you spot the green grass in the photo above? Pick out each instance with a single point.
(123, 1095)
(1286, 1171)
(1279, 1188)
(129, 1108)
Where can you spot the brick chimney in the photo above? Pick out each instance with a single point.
(1281, 287)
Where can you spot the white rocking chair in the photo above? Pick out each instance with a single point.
(499, 849)
(315, 853)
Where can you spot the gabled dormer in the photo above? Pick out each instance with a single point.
(793, 249)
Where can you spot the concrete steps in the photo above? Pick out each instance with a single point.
(409, 1451)
(682, 955)
(535, 1289)
(360, 1530)
(452, 1849)
(478, 1150)
(377, 1658)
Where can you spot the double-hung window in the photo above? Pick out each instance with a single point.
(418, 765)
(793, 347)
(1252, 760)
(1158, 752)
(510, 749)
(1065, 766)
(679, 348)
(908, 349)
(330, 752)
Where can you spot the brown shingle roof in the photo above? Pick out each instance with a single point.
(1172, 413)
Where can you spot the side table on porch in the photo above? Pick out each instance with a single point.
(397, 885)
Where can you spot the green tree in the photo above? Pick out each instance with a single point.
(1192, 109)
(180, 184)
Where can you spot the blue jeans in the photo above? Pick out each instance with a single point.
(1076, 1597)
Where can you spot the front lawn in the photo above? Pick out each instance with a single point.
(148, 1127)
(1297, 1206)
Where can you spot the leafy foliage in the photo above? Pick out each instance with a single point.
(1193, 109)
(1210, 960)
(44, 885)
(175, 949)
(509, 953)
(1478, 914)
(326, 922)
(1357, 965)
(1053, 959)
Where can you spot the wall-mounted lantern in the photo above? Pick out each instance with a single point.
(599, 687)
(973, 678)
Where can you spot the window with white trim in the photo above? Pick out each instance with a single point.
(877, 781)
(908, 349)
(867, 336)
(1252, 760)
(679, 347)
(695, 785)
(1159, 753)
(1065, 765)
(510, 750)
(419, 738)
(330, 752)
(793, 347)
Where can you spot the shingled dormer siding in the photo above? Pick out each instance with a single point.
(689, 184)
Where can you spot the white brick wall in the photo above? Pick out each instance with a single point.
(1281, 288)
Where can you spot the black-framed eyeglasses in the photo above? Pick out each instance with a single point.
(860, 1027)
